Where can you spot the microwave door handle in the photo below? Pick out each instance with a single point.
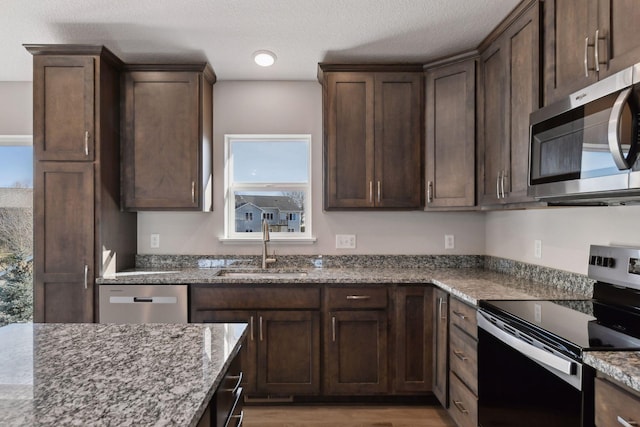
(615, 145)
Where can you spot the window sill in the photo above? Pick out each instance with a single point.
(277, 241)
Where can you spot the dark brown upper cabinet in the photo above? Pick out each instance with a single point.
(79, 231)
(63, 121)
(450, 135)
(509, 92)
(167, 131)
(586, 41)
(372, 117)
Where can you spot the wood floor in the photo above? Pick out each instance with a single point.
(346, 416)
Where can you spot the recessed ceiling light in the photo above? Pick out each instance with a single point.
(264, 58)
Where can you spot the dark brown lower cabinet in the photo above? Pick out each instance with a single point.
(412, 337)
(356, 352)
(225, 408)
(282, 354)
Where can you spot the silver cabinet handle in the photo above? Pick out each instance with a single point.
(615, 145)
(333, 328)
(251, 327)
(442, 302)
(595, 51)
(86, 275)
(460, 315)
(498, 184)
(238, 379)
(193, 191)
(358, 297)
(504, 175)
(370, 191)
(429, 192)
(235, 417)
(86, 142)
(379, 192)
(460, 355)
(626, 423)
(586, 51)
(460, 406)
(260, 328)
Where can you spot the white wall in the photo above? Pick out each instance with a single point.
(566, 233)
(16, 106)
(296, 107)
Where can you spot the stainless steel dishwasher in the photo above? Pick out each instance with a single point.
(143, 304)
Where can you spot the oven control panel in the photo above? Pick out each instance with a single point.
(618, 265)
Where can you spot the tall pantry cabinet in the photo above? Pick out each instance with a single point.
(79, 231)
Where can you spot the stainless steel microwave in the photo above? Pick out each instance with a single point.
(584, 148)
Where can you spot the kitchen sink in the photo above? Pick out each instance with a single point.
(263, 274)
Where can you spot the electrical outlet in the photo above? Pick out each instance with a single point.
(449, 241)
(345, 241)
(154, 242)
(537, 248)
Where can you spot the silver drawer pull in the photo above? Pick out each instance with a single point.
(626, 423)
(460, 315)
(238, 383)
(358, 297)
(235, 417)
(460, 406)
(86, 143)
(460, 355)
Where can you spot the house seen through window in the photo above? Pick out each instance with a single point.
(16, 230)
(268, 178)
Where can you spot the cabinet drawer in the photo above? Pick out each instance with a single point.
(463, 404)
(614, 406)
(463, 358)
(204, 297)
(228, 397)
(464, 317)
(356, 298)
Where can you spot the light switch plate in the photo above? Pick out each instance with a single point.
(449, 241)
(537, 248)
(154, 241)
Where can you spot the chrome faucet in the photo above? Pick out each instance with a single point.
(265, 238)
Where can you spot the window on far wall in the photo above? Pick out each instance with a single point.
(268, 177)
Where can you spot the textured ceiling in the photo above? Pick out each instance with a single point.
(226, 32)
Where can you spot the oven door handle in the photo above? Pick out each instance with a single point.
(567, 367)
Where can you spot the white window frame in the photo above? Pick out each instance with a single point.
(230, 235)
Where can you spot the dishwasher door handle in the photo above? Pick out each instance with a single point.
(138, 300)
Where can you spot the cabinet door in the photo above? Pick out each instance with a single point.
(161, 148)
(64, 237)
(349, 140)
(248, 351)
(289, 352)
(492, 123)
(569, 36)
(356, 353)
(398, 152)
(63, 122)
(441, 346)
(413, 339)
(522, 44)
(619, 46)
(450, 135)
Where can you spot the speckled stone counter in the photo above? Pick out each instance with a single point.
(112, 375)
(468, 284)
(623, 366)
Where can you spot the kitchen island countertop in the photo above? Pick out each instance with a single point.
(106, 374)
(622, 366)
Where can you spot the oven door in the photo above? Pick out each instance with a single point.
(521, 384)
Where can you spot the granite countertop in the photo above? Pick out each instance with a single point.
(468, 284)
(623, 366)
(107, 375)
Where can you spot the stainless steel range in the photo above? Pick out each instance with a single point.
(530, 370)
